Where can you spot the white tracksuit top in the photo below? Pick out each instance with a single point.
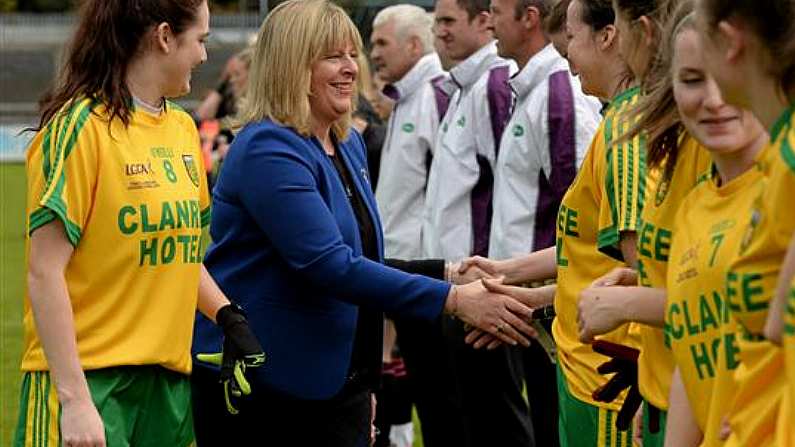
(543, 145)
(406, 156)
(451, 222)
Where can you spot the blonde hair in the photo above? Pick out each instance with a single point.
(294, 36)
(246, 55)
(366, 75)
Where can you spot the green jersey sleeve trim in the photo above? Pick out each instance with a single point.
(607, 242)
(47, 214)
(206, 214)
(639, 181)
(51, 157)
(62, 144)
(52, 202)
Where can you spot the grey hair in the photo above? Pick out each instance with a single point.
(410, 21)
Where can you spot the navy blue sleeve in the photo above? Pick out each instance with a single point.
(278, 187)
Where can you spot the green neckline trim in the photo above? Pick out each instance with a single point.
(626, 95)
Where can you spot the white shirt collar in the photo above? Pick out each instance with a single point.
(468, 71)
(535, 71)
(423, 71)
(148, 108)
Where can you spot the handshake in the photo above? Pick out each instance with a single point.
(498, 313)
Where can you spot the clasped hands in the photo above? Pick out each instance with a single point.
(496, 312)
(601, 309)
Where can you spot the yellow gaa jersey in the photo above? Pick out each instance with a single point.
(666, 188)
(133, 201)
(750, 285)
(604, 200)
(786, 429)
(702, 334)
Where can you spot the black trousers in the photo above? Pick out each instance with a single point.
(495, 411)
(393, 408)
(542, 393)
(432, 382)
(269, 419)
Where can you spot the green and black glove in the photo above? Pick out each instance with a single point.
(624, 363)
(241, 351)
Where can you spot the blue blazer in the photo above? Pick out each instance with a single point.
(286, 247)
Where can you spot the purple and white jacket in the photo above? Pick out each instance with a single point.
(543, 145)
(458, 197)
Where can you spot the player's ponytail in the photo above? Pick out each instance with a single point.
(656, 113)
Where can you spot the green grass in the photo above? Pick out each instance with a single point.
(12, 242)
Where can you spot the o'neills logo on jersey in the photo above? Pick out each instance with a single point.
(750, 230)
(190, 166)
(131, 169)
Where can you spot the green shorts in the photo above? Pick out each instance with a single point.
(585, 425)
(653, 439)
(141, 406)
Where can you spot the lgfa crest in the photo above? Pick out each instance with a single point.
(662, 189)
(190, 167)
(665, 184)
(756, 218)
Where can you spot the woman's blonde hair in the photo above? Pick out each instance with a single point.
(294, 36)
(246, 55)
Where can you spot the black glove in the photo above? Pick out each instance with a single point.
(624, 363)
(241, 350)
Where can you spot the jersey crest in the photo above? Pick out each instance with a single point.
(756, 217)
(663, 186)
(190, 167)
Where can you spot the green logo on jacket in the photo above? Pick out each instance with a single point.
(408, 128)
(518, 130)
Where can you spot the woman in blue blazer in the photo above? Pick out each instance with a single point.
(297, 244)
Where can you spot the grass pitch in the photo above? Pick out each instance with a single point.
(12, 243)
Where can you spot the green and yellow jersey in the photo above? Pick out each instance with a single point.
(750, 286)
(786, 429)
(605, 199)
(667, 187)
(133, 201)
(698, 324)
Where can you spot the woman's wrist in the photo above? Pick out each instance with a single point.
(451, 303)
(510, 270)
(72, 389)
(624, 302)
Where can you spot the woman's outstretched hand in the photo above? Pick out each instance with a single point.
(503, 317)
